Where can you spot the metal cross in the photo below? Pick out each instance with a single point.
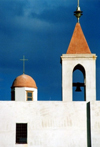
(23, 63)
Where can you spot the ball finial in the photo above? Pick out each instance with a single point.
(78, 12)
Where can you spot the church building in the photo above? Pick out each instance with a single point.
(27, 122)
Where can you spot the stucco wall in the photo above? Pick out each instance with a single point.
(95, 123)
(20, 93)
(50, 124)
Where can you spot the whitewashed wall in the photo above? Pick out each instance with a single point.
(95, 123)
(50, 124)
(20, 93)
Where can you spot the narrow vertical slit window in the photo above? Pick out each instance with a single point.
(21, 133)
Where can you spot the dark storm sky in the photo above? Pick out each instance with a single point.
(41, 30)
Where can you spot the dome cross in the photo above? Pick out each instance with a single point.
(24, 63)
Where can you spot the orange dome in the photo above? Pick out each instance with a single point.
(24, 81)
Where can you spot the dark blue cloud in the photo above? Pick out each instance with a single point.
(12, 8)
(55, 15)
(42, 33)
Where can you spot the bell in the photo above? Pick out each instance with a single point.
(78, 85)
(78, 89)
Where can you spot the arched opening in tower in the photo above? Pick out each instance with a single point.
(79, 83)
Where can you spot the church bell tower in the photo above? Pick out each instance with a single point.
(78, 57)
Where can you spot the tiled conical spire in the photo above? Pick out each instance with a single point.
(78, 43)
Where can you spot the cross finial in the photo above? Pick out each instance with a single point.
(24, 63)
(78, 11)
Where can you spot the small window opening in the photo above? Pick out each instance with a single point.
(21, 133)
(29, 95)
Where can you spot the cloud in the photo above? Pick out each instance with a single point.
(58, 15)
(41, 30)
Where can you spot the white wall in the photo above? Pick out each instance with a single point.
(95, 123)
(20, 93)
(50, 124)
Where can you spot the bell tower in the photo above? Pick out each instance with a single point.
(78, 57)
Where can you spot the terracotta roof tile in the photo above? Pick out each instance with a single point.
(24, 81)
(78, 43)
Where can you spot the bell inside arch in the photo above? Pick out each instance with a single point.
(78, 86)
(78, 89)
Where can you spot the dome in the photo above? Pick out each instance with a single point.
(24, 81)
